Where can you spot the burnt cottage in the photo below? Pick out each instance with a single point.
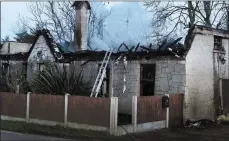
(171, 68)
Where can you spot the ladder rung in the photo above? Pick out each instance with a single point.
(101, 74)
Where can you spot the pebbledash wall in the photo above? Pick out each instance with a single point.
(170, 78)
(203, 74)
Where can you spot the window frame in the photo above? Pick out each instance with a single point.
(218, 43)
(145, 80)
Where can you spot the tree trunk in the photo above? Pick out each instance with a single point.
(191, 13)
(207, 9)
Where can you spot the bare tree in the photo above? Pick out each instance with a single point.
(60, 19)
(186, 14)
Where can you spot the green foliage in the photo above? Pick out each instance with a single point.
(4, 87)
(23, 85)
(57, 80)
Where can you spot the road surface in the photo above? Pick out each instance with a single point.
(8, 135)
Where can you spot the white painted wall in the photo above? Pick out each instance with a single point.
(202, 75)
(33, 58)
(15, 48)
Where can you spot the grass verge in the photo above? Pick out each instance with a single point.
(57, 131)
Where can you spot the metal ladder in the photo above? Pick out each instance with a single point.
(101, 74)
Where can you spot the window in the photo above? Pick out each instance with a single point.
(40, 66)
(217, 43)
(104, 91)
(147, 79)
(24, 69)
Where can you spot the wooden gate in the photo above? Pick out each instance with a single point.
(225, 93)
(176, 110)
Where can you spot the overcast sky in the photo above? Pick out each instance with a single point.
(9, 15)
(116, 26)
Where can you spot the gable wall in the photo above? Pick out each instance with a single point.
(33, 59)
(203, 73)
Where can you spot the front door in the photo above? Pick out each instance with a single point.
(225, 92)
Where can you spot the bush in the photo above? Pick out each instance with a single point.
(4, 87)
(57, 80)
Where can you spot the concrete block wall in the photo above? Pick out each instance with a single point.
(170, 77)
(132, 84)
(89, 70)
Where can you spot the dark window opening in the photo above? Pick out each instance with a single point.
(24, 69)
(147, 79)
(104, 90)
(218, 43)
(40, 66)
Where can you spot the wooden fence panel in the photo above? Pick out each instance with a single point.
(149, 109)
(13, 105)
(86, 110)
(176, 110)
(225, 91)
(47, 107)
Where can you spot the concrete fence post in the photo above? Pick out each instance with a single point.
(27, 106)
(113, 115)
(167, 114)
(66, 108)
(134, 112)
(17, 89)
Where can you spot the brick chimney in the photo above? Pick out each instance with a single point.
(81, 28)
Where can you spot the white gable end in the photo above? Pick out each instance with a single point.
(41, 51)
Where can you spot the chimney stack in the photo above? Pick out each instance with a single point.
(81, 28)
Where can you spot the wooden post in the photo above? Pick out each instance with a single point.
(17, 89)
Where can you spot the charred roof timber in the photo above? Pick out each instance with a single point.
(132, 52)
